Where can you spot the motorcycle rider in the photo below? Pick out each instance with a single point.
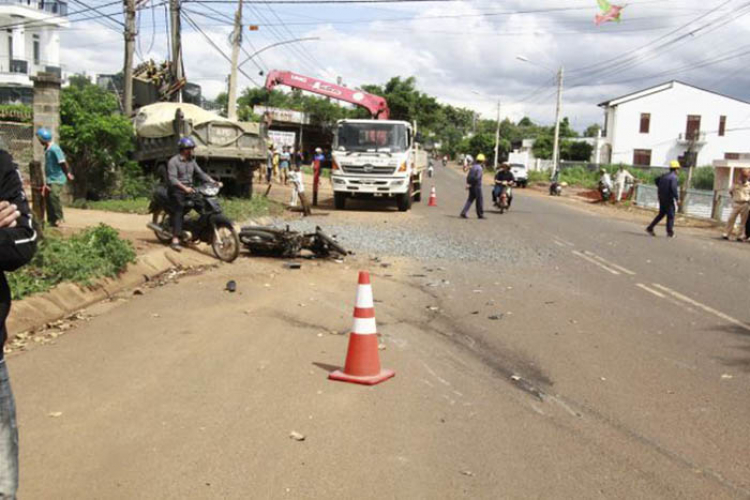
(504, 175)
(604, 181)
(181, 170)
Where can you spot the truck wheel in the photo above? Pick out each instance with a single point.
(339, 201)
(404, 200)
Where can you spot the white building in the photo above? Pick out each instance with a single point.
(31, 44)
(659, 124)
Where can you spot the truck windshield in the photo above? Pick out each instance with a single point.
(389, 137)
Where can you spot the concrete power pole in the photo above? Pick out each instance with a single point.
(129, 49)
(497, 134)
(556, 145)
(236, 42)
(176, 35)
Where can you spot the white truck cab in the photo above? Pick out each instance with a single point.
(377, 159)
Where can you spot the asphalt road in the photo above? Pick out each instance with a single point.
(577, 358)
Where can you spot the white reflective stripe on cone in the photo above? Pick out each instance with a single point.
(364, 296)
(364, 326)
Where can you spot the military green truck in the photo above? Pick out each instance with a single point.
(227, 150)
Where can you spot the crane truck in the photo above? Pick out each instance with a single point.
(371, 158)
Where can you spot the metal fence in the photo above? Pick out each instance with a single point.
(17, 139)
(700, 202)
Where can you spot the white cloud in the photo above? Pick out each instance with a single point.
(451, 57)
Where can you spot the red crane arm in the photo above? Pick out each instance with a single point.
(376, 105)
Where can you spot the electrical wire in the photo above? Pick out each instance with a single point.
(196, 27)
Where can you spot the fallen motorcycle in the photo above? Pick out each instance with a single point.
(272, 241)
(210, 225)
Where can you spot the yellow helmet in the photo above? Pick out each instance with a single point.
(480, 157)
(674, 164)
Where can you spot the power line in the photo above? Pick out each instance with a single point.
(195, 26)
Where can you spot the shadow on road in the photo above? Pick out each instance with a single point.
(326, 367)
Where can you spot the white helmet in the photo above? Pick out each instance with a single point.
(318, 150)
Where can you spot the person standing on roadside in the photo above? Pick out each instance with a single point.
(669, 195)
(56, 174)
(318, 159)
(622, 178)
(474, 185)
(17, 246)
(741, 205)
(284, 161)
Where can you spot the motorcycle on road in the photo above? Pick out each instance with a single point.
(208, 224)
(605, 192)
(502, 202)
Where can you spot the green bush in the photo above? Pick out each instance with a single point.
(539, 176)
(91, 254)
(703, 178)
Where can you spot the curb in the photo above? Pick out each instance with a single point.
(66, 298)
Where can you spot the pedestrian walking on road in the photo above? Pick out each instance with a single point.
(275, 164)
(741, 205)
(622, 178)
(298, 190)
(669, 195)
(474, 185)
(18, 245)
(284, 160)
(269, 164)
(56, 174)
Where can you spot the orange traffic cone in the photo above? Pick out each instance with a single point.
(362, 358)
(433, 198)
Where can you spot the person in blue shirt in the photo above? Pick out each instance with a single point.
(56, 174)
(669, 194)
(474, 185)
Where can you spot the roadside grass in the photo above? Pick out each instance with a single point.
(580, 176)
(94, 253)
(237, 209)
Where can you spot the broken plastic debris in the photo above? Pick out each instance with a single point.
(297, 436)
(495, 317)
(515, 377)
(467, 473)
(727, 376)
(55, 414)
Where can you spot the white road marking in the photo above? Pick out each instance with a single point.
(649, 290)
(565, 241)
(558, 243)
(610, 264)
(595, 262)
(706, 308)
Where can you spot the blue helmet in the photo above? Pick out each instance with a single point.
(44, 134)
(186, 143)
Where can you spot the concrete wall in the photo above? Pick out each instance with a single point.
(669, 110)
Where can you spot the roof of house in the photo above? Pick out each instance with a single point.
(659, 88)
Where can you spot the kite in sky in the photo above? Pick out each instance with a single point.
(608, 12)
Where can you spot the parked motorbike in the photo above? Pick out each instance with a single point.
(271, 241)
(208, 225)
(502, 202)
(555, 189)
(604, 191)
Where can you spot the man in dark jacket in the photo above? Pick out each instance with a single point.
(474, 185)
(17, 246)
(669, 195)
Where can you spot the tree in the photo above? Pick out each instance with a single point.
(592, 130)
(96, 139)
(576, 151)
(543, 147)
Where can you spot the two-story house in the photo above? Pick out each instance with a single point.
(651, 127)
(29, 44)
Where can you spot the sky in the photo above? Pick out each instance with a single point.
(464, 53)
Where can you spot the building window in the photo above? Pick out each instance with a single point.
(36, 50)
(642, 157)
(693, 128)
(731, 156)
(10, 48)
(645, 122)
(722, 125)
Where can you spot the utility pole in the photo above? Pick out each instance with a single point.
(236, 42)
(176, 34)
(497, 134)
(129, 49)
(556, 145)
